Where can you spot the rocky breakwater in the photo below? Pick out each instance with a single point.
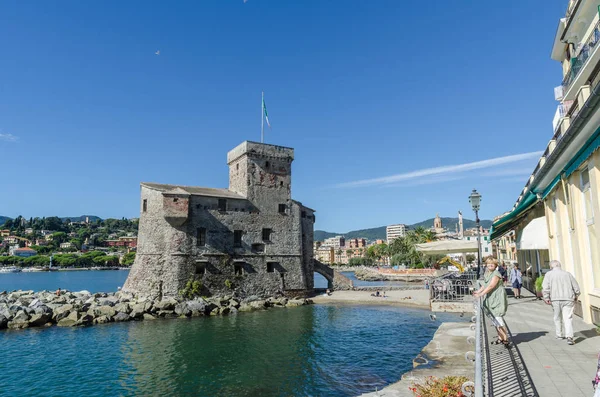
(24, 309)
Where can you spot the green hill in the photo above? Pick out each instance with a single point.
(378, 233)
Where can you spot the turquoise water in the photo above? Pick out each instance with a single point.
(306, 351)
(360, 283)
(93, 280)
(323, 350)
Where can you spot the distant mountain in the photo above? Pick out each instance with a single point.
(3, 219)
(378, 233)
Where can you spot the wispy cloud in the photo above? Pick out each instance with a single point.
(435, 179)
(525, 171)
(443, 170)
(8, 137)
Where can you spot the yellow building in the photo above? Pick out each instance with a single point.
(560, 199)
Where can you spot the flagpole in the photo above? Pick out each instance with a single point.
(262, 118)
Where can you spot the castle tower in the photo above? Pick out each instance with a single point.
(261, 172)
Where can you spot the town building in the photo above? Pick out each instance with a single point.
(66, 245)
(252, 237)
(394, 231)
(29, 230)
(335, 242)
(125, 242)
(485, 241)
(438, 227)
(325, 255)
(556, 216)
(22, 252)
(356, 243)
(4, 232)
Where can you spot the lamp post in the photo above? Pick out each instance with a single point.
(475, 200)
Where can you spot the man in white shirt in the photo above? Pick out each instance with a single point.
(561, 290)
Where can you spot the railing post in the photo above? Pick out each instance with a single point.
(478, 351)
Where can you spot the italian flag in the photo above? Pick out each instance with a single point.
(266, 113)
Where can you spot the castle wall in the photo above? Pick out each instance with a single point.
(170, 251)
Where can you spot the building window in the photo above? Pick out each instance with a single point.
(237, 238)
(144, 205)
(282, 208)
(222, 205)
(486, 249)
(271, 267)
(587, 195)
(200, 268)
(266, 234)
(469, 238)
(303, 214)
(267, 164)
(201, 237)
(258, 247)
(280, 183)
(238, 269)
(237, 166)
(175, 200)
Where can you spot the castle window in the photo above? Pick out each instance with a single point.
(237, 238)
(144, 205)
(258, 247)
(303, 214)
(267, 165)
(280, 183)
(282, 208)
(271, 267)
(200, 268)
(238, 269)
(201, 237)
(266, 234)
(222, 205)
(237, 166)
(175, 200)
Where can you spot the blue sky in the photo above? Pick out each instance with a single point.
(396, 109)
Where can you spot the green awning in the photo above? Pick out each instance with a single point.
(586, 151)
(508, 221)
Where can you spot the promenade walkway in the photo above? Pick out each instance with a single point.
(555, 368)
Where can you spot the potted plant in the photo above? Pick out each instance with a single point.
(538, 286)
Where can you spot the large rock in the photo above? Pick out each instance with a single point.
(165, 304)
(39, 319)
(182, 309)
(106, 311)
(71, 320)
(19, 321)
(149, 317)
(102, 320)
(3, 321)
(258, 304)
(295, 302)
(85, 319)
(122, 317)
(123, 308)
(62, 311)
(197, 306)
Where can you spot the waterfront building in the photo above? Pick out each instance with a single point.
(325, 254)
(485, 241)
(557, 214)
(335, 242)
(251, 237)
(394, 231)
(22, 252)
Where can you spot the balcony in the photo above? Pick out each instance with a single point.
(583, 64)
(561, 111)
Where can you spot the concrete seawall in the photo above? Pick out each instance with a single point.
(443, 356)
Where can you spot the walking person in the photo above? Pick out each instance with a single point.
(517, 280)
(560, 289)
(496, 301)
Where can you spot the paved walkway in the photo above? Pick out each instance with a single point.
(555, 368)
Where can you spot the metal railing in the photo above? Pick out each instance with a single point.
(452, 287)
(577, 63)
(479, 341)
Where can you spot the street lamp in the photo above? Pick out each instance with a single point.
(475, 200)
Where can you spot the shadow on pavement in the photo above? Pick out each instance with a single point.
(527, 336)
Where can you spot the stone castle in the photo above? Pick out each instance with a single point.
(251, 238)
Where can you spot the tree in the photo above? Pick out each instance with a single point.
(470, 258)
(129, 258)
(349, 253)
(339, 255)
